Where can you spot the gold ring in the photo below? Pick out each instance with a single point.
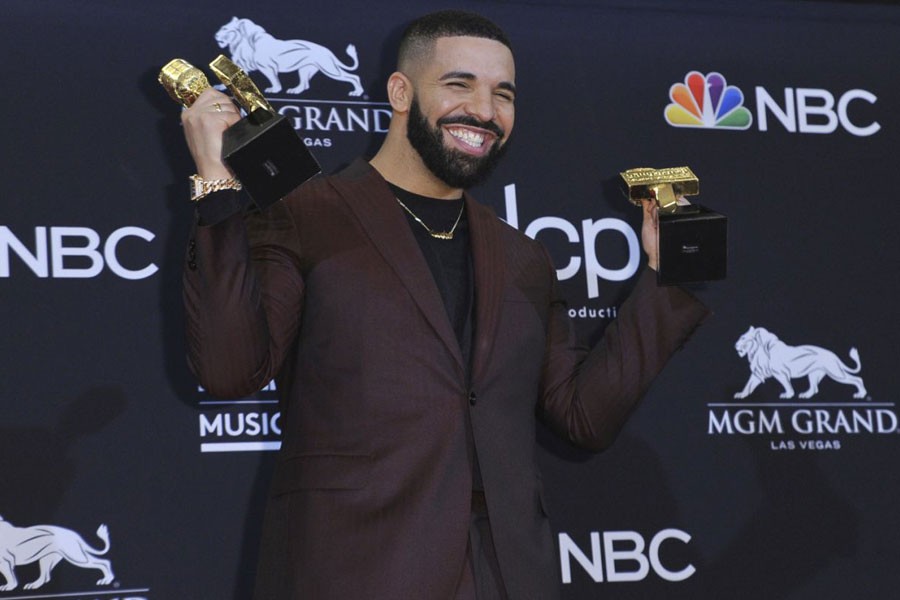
(218, 107)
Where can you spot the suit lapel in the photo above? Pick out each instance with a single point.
(489, 261)
(370, 198)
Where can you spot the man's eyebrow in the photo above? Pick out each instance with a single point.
(504, 85)
(458, 75)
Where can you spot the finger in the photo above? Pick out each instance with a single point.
(212, 101)
(209, 97)
(650, 211)
(227, 106)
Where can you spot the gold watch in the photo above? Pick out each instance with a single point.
(200, 188)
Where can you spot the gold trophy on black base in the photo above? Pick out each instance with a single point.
(262, 149)
(692, 238)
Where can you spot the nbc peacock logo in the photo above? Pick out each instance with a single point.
(707, 101)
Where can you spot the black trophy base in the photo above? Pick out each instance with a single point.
(267, 156)
(692, 246)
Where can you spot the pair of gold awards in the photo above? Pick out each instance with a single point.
(184, 82)
(262, 149)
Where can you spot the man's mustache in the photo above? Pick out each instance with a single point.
(473, 122)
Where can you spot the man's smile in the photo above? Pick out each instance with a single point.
(471, 140)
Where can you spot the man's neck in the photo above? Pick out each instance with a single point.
(407, 196)
(401, 165)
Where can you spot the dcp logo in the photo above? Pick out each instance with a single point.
(594, 270)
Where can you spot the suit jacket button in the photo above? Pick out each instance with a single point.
(472, 398)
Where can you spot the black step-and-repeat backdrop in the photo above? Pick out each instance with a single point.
(763, 462)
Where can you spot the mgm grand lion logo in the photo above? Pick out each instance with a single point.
(255, 50)
(770, 357)
(47, 545)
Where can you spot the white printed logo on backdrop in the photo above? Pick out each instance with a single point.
(294, 67)
(770, 357)
(48, 546)
(252, 48)
(707, 101)
(834, 407)
(251, 424)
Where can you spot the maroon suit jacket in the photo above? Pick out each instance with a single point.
(372, 489)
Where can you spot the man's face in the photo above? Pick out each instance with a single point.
(462, 110)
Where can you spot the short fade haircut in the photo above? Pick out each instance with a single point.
(419, 38)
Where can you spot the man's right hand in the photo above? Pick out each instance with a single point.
(204, 122)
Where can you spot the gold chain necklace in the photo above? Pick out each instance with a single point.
(441, 235)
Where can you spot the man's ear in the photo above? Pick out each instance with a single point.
(400, 92)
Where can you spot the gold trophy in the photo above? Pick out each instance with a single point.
(692, 238)
(262, 149)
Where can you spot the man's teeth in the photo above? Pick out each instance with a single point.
(469, 137)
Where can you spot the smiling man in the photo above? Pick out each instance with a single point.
(416, 339)
(453, 105)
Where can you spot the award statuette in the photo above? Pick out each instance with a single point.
(262, 149)
(692, 238)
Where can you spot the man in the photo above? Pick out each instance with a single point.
(416, 338)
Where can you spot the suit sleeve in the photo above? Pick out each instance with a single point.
(243, 295)
(587, 394)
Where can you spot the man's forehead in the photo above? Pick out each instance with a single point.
(474, 55)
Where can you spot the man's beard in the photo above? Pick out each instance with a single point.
(455, 168)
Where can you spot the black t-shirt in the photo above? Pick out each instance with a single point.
(449, 260)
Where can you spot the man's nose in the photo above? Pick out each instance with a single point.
(481, 106)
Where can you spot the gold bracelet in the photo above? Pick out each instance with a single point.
(200, 188)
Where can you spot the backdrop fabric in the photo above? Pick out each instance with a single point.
(761, 464)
